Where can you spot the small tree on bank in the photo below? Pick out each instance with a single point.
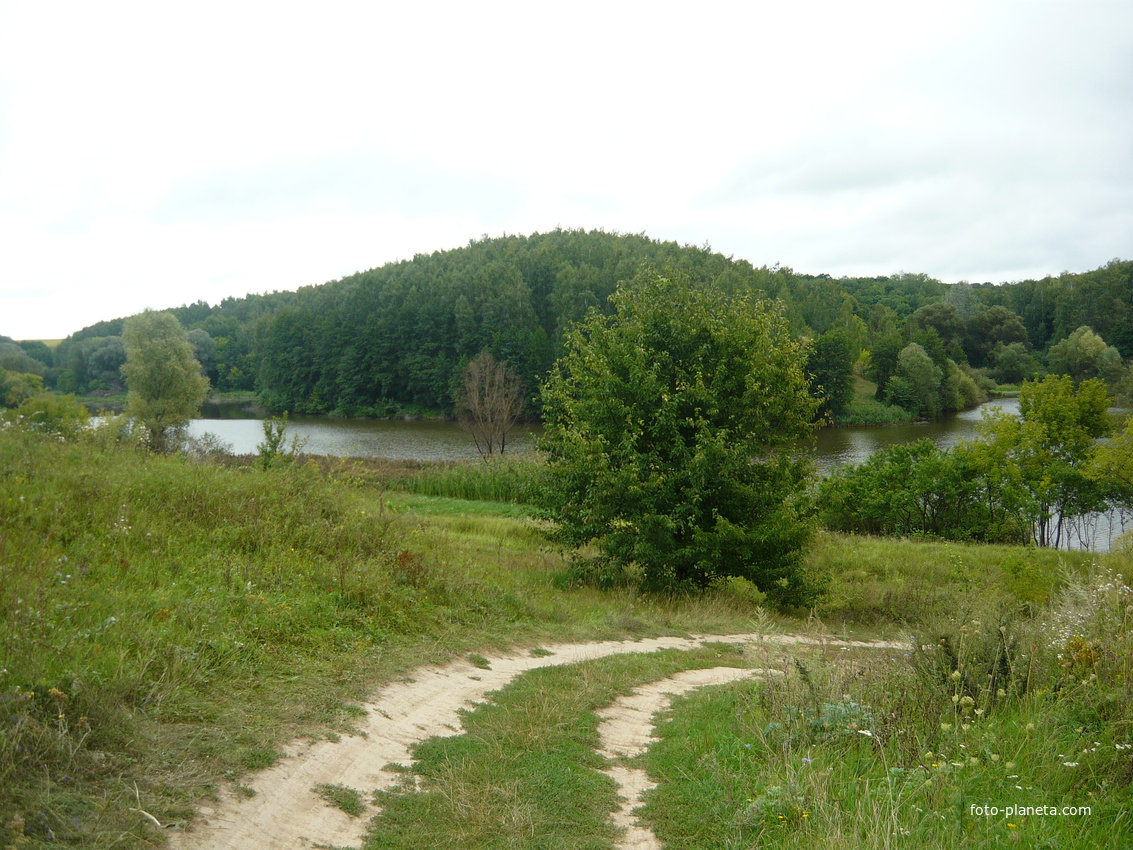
(489, 403)
(670, 431)
(166, 387)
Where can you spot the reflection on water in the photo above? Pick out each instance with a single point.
(430, 439)
(424, 439)
(835, 447)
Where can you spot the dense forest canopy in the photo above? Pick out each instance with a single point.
(396, 338)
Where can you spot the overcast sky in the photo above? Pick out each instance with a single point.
(155, 154)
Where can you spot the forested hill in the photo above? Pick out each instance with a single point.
(395, 337)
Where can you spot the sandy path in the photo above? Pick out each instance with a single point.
(286, 813)
(626, 730)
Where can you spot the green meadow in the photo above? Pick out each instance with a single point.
(168, 625)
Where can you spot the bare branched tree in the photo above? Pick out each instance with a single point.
(491, 398)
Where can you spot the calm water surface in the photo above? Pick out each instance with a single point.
(424, 439)
(837, 446)
(429, 439)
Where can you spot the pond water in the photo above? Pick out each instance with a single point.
(429, 439)
(834, 447)
(423, 439)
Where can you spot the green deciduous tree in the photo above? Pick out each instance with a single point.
(670, 430)
(15, 359)
(166, 387)
(919, 489)
(831, 369)
(922, 378)
(17, 387)
(1013, 363)
(943, 318)
(1084, 355)
(990, 328)
(1049, 449)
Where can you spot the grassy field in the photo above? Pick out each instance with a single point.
(168, 625)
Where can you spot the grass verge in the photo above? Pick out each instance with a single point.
(924, 749)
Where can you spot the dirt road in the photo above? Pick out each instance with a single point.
(286, 813)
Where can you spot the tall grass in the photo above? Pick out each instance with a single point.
(509, 479)
(988, 709)
(879, 580)
(504, 479)
(167, 625)
(161, 616)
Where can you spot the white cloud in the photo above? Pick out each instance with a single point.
(153, 155)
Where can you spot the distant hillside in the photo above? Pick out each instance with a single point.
(393, 338)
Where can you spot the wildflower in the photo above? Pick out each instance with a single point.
(994, 757)
(865, 732)
(1001, 693)
(946, 727)
(955, 675)
(1010, 765)
(806, 761)
(1070, 764)
(979, 712)
(1030, 727)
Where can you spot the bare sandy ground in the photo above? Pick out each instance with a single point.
(626, 730)
(286, 813)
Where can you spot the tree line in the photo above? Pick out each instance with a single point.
(398, 338)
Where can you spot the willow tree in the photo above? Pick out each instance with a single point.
(163, 378)
(670, 433)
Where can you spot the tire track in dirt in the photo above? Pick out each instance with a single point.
(626, 730)
(286, 813)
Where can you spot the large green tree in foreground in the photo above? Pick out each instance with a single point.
(166, 387)
(669, 434)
